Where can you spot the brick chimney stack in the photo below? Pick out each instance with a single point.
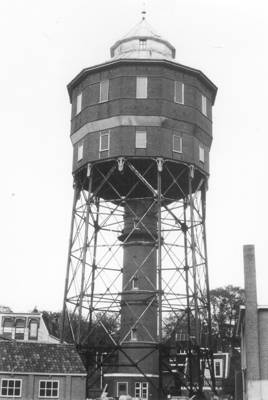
(251, 325)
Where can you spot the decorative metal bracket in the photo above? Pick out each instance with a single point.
(160, 163)
(121, 162)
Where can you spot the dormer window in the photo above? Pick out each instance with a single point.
(8, 326)
(33, 329)
(143, 44)
(19, 328)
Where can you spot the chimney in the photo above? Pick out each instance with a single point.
(251, 324)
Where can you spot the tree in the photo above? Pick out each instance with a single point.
(225, 303)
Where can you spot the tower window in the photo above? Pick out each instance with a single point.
(134, 283)
(204, 105)
(218, 368)
(177, 144)
(104, 141)
(141, 390)
(79, 103)
(80, 151)
(122, 388)
(179, 92)
(141, 87)
(143, 44)
(104, 90)
(49, 388)
(141, 140)
(133, 335)
(11, 387)
(201, 154)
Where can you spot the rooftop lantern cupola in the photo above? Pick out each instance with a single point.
(142, 42)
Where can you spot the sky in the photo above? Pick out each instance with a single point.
(44, 44)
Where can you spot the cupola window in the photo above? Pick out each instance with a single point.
(141, 87)
(143, 44)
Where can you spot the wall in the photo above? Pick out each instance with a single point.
(158, 113)
(70, 387)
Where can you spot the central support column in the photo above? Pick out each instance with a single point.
(138, 357)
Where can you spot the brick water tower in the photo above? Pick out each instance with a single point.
(136, 292)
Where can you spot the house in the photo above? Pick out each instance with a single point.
(31, 370)
(30, 327)
(252, 380)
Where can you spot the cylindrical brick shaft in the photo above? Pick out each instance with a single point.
(139, 307)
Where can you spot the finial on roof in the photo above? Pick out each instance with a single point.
(143, 13)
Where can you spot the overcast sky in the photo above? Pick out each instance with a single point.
(44, 44)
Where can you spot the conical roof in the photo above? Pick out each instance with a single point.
(142, 42)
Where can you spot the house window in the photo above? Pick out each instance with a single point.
(141, 390)
(20, 328)
(201, 154)
(134, 283)
(79, 103)
(218, 370)
(48, 388)
(104, 141)
(8, 326)
(141, 140)
(122, 388)
(33, 329)
(177, 144)
(133, 335)
(143, 44)
(204, 105)
(80, 150)
(179, 92)
(104, 90)
(11, 387)
(141, 87)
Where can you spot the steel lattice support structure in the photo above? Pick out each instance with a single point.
(137, 257)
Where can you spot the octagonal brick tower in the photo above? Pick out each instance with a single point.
(141, 130)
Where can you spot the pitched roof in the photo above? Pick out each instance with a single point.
(40, 358)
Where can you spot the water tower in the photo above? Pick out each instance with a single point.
(137, 276)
